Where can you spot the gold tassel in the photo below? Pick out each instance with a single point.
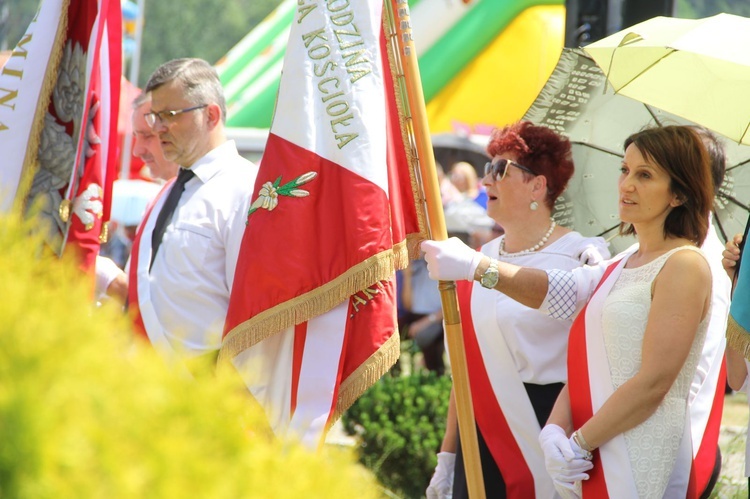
(407, 134)
(367, 374)
(738, 338)
(377, 268)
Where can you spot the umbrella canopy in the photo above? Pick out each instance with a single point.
(577, 102)
(698, 69)
(450, 148)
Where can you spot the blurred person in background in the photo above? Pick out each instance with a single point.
(111, 280)
(463, 175)
(146, 143)
(422, 315)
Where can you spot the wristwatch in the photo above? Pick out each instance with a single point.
(490, 276)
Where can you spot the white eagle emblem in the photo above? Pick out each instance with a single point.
(88, 206)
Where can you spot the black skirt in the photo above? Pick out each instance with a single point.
(542, 398)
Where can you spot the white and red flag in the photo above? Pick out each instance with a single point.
(312, 315)
(59, 92)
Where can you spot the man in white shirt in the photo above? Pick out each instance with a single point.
(179, 282)
(146, 143)
(110, 279)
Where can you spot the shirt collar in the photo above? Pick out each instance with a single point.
(207, 166)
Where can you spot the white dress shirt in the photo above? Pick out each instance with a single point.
(192, 275)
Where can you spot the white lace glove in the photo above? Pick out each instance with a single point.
(564, 461)
(450, 260)
(441, 484)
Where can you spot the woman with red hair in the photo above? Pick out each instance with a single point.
(516, 355)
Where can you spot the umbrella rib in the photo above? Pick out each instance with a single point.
(720, 226)
(672, 51)
(742, 163)
(598, 148)
(734, 200)
(653, 115)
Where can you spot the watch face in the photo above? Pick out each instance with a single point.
(489, 278)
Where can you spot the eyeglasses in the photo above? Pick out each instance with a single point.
(166, 117)
(499, 168)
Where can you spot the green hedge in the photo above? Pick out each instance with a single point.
(400, 423)
(86, 412)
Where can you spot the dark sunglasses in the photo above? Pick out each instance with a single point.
(499, 168)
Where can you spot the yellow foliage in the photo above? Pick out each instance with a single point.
(85, 411)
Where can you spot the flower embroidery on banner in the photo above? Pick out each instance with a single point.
(268, 196)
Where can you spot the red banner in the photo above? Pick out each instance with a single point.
(64, 157)
(334, 211)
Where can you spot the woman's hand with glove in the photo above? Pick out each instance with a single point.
(564, 460)
(451, 260)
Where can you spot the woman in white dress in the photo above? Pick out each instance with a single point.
(633, 351)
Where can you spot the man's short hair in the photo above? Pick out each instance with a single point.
(142, 98)
(198, 79)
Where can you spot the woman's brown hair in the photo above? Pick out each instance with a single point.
(680, 152)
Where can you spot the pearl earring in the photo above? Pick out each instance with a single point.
(534, 205)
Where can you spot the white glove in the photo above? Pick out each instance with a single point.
(441, 485)
(564, 462)
(106, 272)
(450, 260)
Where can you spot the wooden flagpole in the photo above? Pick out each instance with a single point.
(398, 14)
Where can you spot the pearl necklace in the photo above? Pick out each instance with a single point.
(534, 248)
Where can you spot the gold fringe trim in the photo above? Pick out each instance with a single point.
(367, 374)
(376, 268)
(31, 160)
(412, 244)
(407, 131)
(379, 267)
(738, 338)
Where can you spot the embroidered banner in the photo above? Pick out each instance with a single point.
(58, 120)
(334, 213)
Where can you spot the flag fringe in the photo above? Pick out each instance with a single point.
(738, 338)
(379, 267)
(367, 374)
(31, 159)
(407, 134)
(412, 252)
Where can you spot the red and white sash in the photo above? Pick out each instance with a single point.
(590, 385)
(705, 411)
(140, 307)
(511, 435)
(707, 404)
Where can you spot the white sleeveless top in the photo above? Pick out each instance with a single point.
(653, 444)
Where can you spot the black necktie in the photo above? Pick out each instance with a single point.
(167, 210)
